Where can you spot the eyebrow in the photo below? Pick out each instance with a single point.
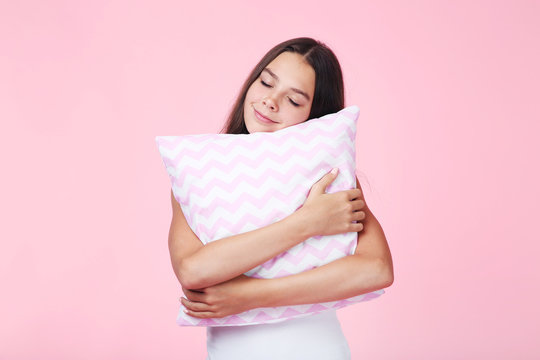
(293, 89)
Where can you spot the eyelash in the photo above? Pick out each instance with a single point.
(292, 102)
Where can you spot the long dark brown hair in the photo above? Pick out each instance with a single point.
(329, 95)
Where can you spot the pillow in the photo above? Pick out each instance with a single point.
(227, 184)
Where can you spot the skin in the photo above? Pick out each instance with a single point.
(212, 276)
(272, 94)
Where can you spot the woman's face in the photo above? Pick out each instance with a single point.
(281, 96)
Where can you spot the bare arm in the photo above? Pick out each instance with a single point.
(370, 268)
(198, 266)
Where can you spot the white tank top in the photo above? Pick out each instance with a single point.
(313, 337)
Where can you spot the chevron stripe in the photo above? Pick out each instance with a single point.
(202, 160)
(230, 184)
(275, 315)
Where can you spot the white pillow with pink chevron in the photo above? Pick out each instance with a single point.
(228, 184)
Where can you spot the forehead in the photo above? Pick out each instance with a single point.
(294, 71)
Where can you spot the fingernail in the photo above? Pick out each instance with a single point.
(334, 171)
(185, 311)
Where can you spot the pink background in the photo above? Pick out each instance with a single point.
(449, 95)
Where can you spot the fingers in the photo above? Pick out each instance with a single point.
(357, 204)
(357, 227)
(195, 306)
(198, 309)
(194, 295)
(202, 315)
(358, 215)
(321, 185)
(354, 194)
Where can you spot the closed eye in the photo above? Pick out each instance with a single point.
(267, 85)
(292, 102)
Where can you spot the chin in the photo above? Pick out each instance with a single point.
(251, 128)
(257, 128)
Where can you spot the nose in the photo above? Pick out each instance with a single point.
(270, 103)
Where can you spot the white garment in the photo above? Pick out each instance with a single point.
(313, 337)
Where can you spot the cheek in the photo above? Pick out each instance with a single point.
(254, 93)
(303, 115)
(297, 117)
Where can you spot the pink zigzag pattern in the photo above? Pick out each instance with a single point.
(218, 174)
(270, 157)
(265, 315)
(304, 141)
(305, 132)
(307, 249)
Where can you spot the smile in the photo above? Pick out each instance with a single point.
(263, 119)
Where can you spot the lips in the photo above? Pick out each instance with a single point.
(263, 118)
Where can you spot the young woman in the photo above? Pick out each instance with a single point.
(297, 80)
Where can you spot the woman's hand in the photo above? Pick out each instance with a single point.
(334, 213)
(227, 298)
